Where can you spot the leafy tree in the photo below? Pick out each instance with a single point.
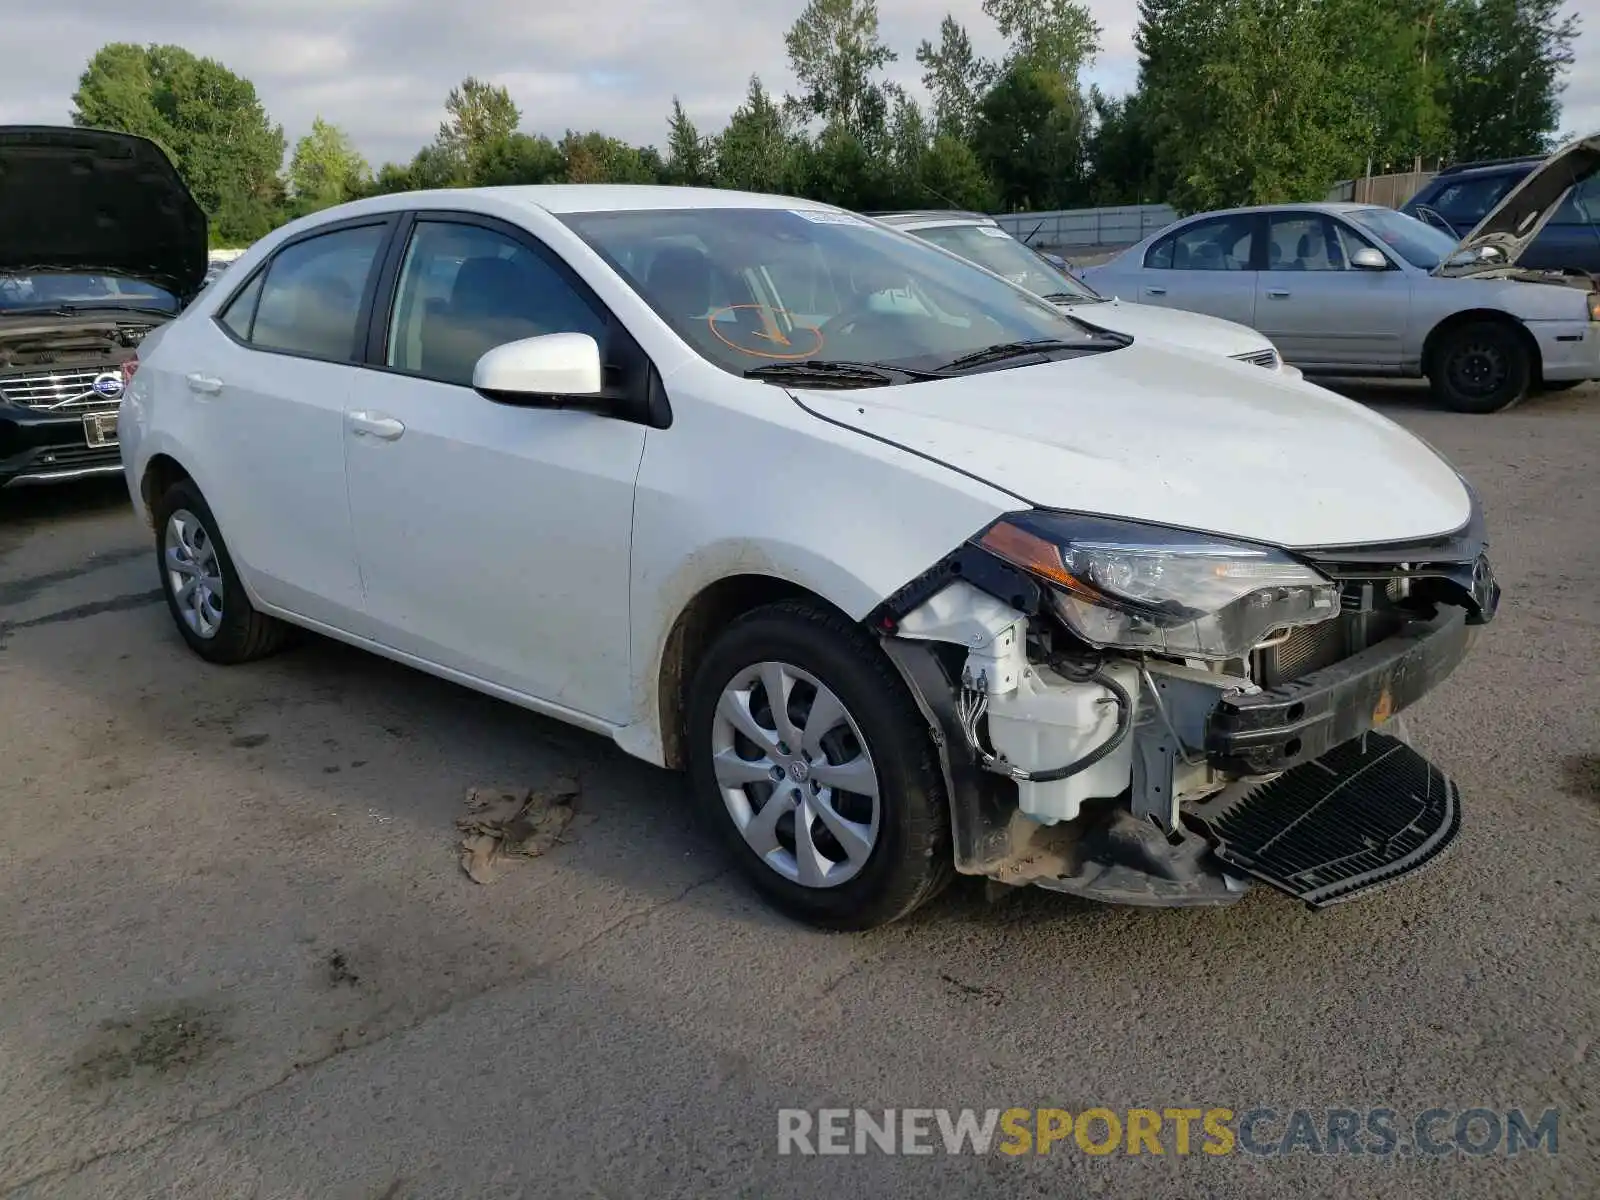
(1029, 138)
(955, 76)
(835, 51)
(596, 158)
(1504, 82)
(1120, 150)
(1051, 35)
(207, 118)
(756, 151)
(950, 173)
(478, 114)
(689, 156)
(517, 158)
(326, 169)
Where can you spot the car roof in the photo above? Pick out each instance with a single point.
(1492, 166)
(928, 217)
(622, 197)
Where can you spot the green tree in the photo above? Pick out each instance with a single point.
(1029, 137)
(689, 156)
(517, 158)
(1507, 59)
(596, 158)
(950, 173)
(207, 118)
(326, 169)
(478, 114)
(955, 76)
(836, 53)
(1052, 35)
(756, 151)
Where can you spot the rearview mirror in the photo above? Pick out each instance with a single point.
(554, 364)
(1368, 259)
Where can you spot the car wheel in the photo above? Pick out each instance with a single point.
(1482, 367)
(808, 756)
(204, 595)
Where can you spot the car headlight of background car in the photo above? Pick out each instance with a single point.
(1130, 586)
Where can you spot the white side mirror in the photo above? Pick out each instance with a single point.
(1368, 259)
(554, 364)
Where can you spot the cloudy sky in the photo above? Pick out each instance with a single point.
(381, 68)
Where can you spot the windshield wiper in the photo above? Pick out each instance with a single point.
(1004, 350)
(73, 310)
(1072, 298)
(815, 372)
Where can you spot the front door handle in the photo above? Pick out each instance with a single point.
(1155, 291)
(1277, 293)
(365, 424)
(205, 385)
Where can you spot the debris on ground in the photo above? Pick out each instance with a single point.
(506, 823)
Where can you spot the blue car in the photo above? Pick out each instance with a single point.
(1459, 197)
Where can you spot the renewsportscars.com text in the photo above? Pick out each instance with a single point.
(1264, 1132)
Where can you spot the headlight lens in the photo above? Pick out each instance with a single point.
(1129, 586)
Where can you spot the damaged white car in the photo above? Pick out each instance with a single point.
(911, 571)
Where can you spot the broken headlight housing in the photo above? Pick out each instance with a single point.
(1130, 586)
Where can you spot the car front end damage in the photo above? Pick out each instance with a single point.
(1149, 716)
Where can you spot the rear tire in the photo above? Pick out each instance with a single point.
(204, 594)
(1482, 367)
(836, 857)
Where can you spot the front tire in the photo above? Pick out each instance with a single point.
(204, 595)
(1482, 367)
(831, 802)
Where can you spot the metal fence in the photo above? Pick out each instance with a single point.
(1088, 226)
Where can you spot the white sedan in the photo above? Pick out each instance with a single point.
(1355, 289)
(979, 239)
(910, 570)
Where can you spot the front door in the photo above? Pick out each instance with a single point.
(493, 540)
(1321, 312)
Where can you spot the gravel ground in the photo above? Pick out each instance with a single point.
(240, 959)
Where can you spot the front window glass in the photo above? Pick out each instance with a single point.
(1420, 245)
(54, 289)
(993, 248)
(752, 287)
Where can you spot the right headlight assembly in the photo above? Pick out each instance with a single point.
(1132, 586)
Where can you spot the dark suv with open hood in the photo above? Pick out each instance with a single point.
(100, 243)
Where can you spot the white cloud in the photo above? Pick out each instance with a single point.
(381, 68)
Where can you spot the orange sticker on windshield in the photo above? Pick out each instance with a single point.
(771, 341)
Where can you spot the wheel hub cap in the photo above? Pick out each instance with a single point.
(796, 775)
(193, 573)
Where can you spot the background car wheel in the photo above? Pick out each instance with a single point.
(1482, 367)
(810, 759)
(203, 592)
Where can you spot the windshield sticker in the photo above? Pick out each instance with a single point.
(769, 340)
(819, 216)
(992, 231)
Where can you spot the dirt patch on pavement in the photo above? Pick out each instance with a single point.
(157, 1042)
(1581, 776)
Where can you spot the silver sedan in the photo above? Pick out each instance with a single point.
(1348, 289)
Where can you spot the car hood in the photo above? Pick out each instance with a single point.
(1513, 224)
(1153, 433)
(1191, 330)
(96, 202)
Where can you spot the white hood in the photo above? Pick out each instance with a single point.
(1191, 330)
(1156, 434)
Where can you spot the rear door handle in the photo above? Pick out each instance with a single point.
(1277, 293)
(365, 424)
(205, 385)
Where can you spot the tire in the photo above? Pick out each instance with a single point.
(218, 623)
(904, 859)
(1482, 367)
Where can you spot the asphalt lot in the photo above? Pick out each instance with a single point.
(239, 958)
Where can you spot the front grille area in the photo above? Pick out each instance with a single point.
(66, 390)
(1261, 358)
(1366, 620)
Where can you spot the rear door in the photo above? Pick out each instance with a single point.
(265, 384)
(1207, 266)
(1322, 313)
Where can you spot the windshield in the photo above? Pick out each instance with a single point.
(992, 247)
(754, 287)
(1420, 245)
(81, 291)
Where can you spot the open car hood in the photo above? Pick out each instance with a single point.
(1512, 225)
(95, 202)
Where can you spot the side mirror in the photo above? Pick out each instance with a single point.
(552, 365)
(1368, 259)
